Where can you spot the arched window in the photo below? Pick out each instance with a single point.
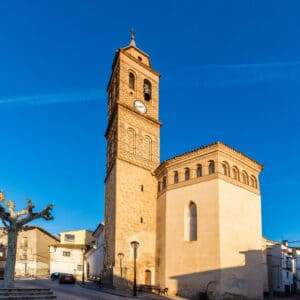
(225, 167)
(253, 181)
(199, 170)
(187, 174)
(131, 139)
(191, 222)
(164, 182)
(211, 167)
(131, 80)
(176, 177)
(236, 173)
(245, 178)
(147, 90)
(148, 147)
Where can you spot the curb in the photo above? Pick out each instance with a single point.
(105, 291)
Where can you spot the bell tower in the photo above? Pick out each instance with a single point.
(133, 150)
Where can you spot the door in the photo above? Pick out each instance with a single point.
(148, 277)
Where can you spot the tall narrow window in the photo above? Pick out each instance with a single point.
(147, 90)
(164, 182)
(191, 222)
(225, 167)
(131, 139)
(148, 147)
(199, 170)
(211, 167)
(176, 177)
(131, 81)
(187, 174)
(236, 174)
(158, 186)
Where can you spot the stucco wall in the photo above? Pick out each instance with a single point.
(190, 265)
(242, 266)
(65, 264)
(95, 257)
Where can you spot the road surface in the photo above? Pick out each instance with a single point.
(67, 291)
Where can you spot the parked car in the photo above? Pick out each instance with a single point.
(66, 278)
(54, 275)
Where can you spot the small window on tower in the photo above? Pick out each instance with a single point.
(164, 182)
(140, 58)
(147, 90)
(131, 80)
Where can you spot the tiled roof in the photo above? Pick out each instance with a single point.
(207, 146)
(42, 230)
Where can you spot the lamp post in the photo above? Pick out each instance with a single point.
(135, 246)
(82, 278)
(121, 256)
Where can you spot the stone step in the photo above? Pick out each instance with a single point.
(24, 289)
(20, 293)
(26, 294)
(23, 297)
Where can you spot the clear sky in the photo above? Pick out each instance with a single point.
(230, 72)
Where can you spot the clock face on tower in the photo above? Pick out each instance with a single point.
(140, 106)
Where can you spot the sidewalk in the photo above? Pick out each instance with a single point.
(124, 294)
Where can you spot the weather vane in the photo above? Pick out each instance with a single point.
(132, 37)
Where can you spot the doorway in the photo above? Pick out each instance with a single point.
(147, 277)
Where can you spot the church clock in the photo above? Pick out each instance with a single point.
(140, 106)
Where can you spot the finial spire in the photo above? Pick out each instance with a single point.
(132, 38)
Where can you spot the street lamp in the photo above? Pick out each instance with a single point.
(121, 256)
(135, 246)
(82, 278)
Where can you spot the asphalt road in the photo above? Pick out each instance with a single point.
(67, 291)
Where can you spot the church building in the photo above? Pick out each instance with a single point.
(196, 217)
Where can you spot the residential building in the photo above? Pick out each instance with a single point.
(76, 237)
(196, 216)
(297, 269)
(95, 255)
(68, 255)
(32, 257)
(281, 268)
(3, 250)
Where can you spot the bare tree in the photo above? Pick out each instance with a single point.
(13, 222)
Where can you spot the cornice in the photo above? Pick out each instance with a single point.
(206, 150)
(206, 178)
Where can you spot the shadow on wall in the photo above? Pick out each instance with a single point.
(240, 282)
(126, 287)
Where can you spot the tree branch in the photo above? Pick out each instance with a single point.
(11, 208)
(45, 214)
(25, 211)
(4, 216)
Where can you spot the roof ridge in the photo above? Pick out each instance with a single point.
(207, 146)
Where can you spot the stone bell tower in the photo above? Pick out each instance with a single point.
(133, 150)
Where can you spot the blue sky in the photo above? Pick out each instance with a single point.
(230, 72)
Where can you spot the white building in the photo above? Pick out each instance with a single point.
(281, 268)
(95, 255)
(68, 255)
(297, 268)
